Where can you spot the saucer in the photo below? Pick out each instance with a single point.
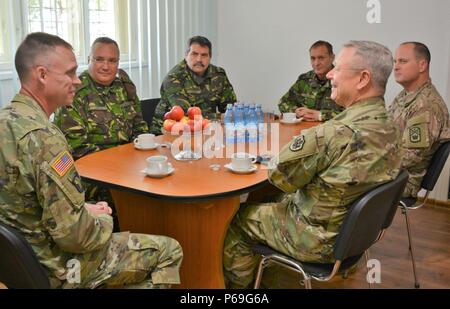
(297, 120)
(155, 145)
(250, 170)
(167, 173)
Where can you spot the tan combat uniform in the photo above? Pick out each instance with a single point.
(322, 171)
(422, 118)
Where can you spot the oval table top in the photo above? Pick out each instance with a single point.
(122, 168)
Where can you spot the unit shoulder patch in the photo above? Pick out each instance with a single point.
(415, 135)
(297, 143)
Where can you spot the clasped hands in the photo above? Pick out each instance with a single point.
(99, 208)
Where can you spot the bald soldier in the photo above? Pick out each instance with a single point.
(41, 194)
(323, 170)
(419, 111)
(309, 97)
(194, 82)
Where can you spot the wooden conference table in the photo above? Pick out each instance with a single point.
(194, 205)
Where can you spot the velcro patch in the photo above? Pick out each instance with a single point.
(297, 143)
(415, 135)
(62, 163)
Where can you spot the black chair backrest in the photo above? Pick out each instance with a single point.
(19, 265)
(148, 107)
(436, 165)
(367, 217)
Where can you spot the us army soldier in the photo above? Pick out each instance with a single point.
(419, 111)
(41, 194)
(323, 170)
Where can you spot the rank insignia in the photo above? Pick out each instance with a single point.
(298, 143)
(415, 135)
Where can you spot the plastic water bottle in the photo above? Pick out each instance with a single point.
(260, 117)
(239, 124)
(229, 125)
(252, 124)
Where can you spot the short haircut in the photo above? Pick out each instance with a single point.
(200, 40)
(105, 40)
(36, 45)
(323, 43)
(377, 58)
(421, 51)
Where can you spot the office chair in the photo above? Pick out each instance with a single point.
(19, 265)
(148, 107)
(364, 224)
(428, 182)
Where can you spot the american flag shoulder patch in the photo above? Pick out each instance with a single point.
(62, 163)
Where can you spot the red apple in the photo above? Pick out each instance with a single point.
(177, 113)
(205, 122)
(168, 123)
(193, 111)
(195, 125)
(167, 115)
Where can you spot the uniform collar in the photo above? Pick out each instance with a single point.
(87, 80)
(31, 103)
(195, 77)
(408, 98)
(317, 82)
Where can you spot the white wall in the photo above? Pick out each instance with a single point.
(263, 44)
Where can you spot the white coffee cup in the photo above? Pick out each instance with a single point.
(242, 161)
(157, 164)
(289, 117)
(146, 140)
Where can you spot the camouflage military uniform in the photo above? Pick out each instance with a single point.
(321, 172)
(41, 196)
(422, 117)
(101, 117)
(183, 87)
(309, 91)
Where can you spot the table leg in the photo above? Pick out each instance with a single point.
(200, 228)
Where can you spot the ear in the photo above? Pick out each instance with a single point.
(41, 74)
(364, 79)
(423, 65)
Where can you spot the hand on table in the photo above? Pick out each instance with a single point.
(308, 114)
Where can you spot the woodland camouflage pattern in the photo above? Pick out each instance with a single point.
(309, 91)
(423, 119)
(101, 117)
(322, 172)
(184, 88)
(47, 207)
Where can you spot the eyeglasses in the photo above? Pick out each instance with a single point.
(101, 60)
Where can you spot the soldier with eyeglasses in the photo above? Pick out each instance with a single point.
(106, 110)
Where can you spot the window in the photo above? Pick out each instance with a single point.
(59, 17)
(65, 19)
(151, 34)
(5, 55)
